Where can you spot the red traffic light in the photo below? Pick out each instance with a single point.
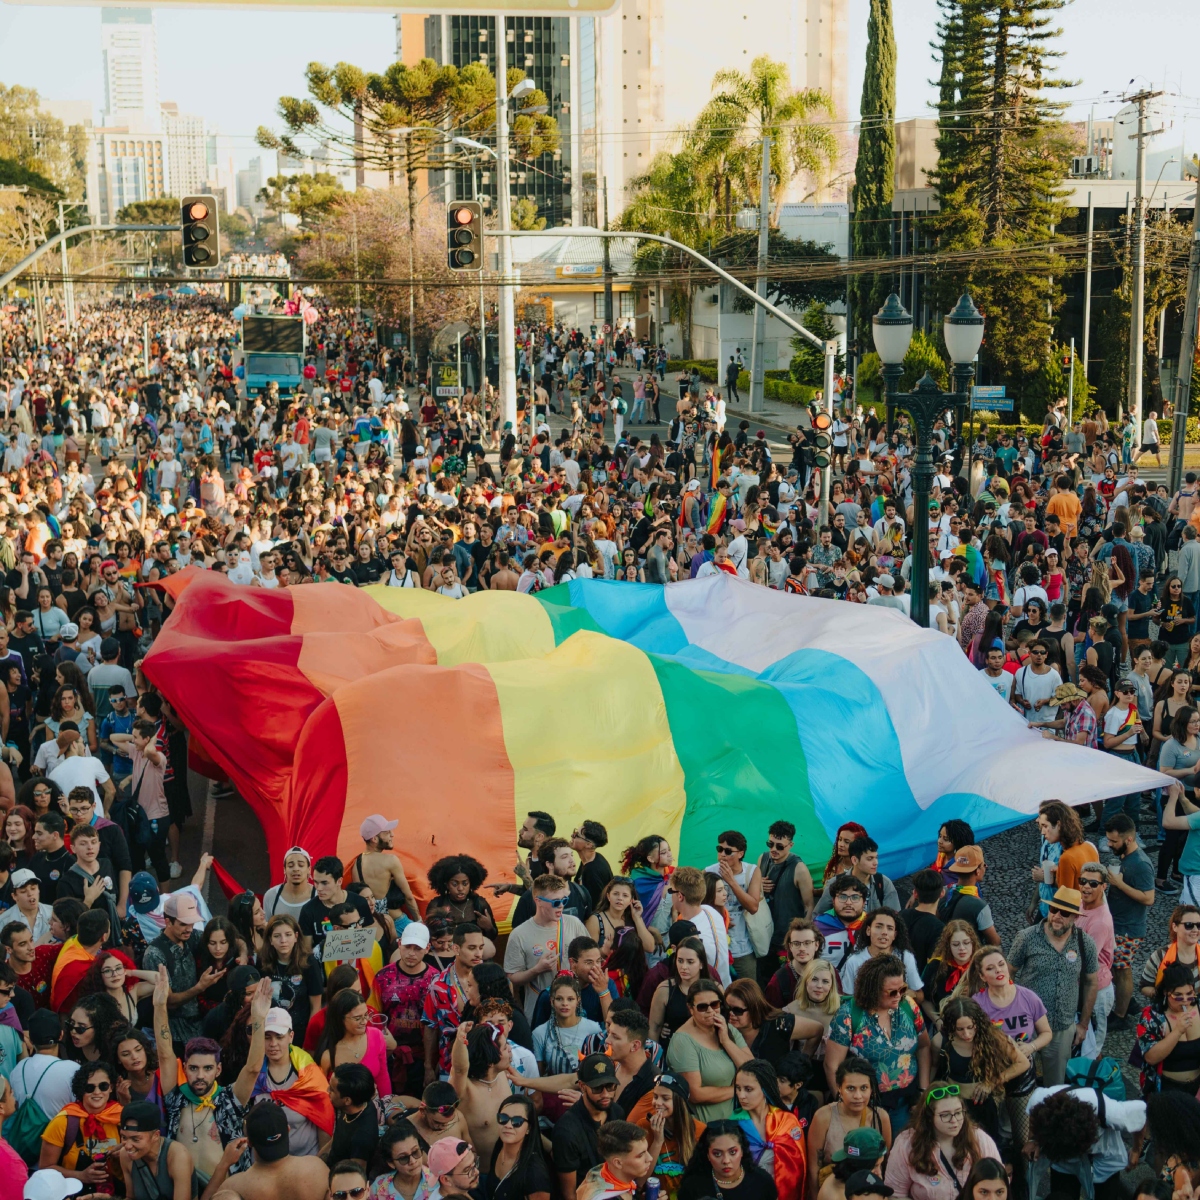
(197, 211)
(464, 216)
(822, 421)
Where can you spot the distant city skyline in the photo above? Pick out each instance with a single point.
(57, 50)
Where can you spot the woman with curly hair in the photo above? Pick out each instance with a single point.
(881, 933)
(855, 1106)
(945, 973)
(137, 1065)
(93, 1117)
(1168, 1034)
(952, 837)
(839, 860)
(933, 1157)
(109, 976)
(980, 1059)
(649, 864)
(90, 1027)
(41, 795)
(456, 881)
(1173, 1125)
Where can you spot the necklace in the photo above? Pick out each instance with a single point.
(733, 1183)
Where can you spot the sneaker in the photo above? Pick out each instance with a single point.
(177, 870)
(1125, 1022)
(1168, 887)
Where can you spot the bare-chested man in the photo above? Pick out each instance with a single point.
(479, 1065)
(504, 578)
(436, 1114)
(379, 868)
(275, 1171)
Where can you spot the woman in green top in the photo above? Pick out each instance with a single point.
(707, 1052)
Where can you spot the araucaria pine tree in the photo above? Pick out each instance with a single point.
(875, 169)
(1002, 156)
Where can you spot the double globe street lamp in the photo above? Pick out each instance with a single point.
(962, 328)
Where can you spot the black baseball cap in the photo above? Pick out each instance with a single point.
(680, 930)
(267, 1129)
(597, 1068)
(141, 1117)
(866, 1183)
(44, 1028)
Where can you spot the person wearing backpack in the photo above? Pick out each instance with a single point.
(963, 902)
(41, 1086)
(1064, 1119)
(864, 866)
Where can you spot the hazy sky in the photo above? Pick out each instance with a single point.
(232, 65)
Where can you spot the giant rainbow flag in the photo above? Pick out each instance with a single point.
(680, 710)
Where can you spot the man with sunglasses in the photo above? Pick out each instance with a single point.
(575, 1140)
(455, 1165)
(537, 948)
(788, 888)
(1060, 963)
(1096, 921)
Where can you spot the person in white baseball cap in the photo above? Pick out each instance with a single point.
(51, 1185)
(380, 869)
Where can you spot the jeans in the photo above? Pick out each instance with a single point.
(1106, 997)
(1131, 805)
(1054, 1057)
(638, 411)
(1177, 653)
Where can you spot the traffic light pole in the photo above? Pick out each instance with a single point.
(506, 325)
(51, 243)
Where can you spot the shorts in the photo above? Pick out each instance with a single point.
(1150, 447)
(1125, 950)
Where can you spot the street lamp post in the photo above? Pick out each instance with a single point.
(963, 331)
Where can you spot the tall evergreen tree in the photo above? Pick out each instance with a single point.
(875, 169)
(1002, 154)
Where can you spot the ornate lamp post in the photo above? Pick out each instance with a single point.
(963, 331)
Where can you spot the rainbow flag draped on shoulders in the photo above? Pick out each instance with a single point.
(976, 568)
(308, 1096)
(717, 513)
(715, 472)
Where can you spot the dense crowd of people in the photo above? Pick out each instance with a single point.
(749, 1027)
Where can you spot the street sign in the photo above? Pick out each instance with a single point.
(991, 397)
(448, 391)
(512, 8)
(345, 945)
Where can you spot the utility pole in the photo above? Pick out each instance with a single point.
(1187, 353)
(1071, 388)
(1137, 313)
(68, 291)
(608, 284)
(758, 349)
(1087, 282)
(506, 321)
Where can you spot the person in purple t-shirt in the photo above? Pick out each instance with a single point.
(1013, 1009)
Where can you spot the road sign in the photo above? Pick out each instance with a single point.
(992, 398)
(448, 391)
(345, 945)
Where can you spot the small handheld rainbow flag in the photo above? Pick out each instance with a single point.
(715, 474)
(1131, 719)
(716, 515)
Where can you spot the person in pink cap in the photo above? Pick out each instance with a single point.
(379, 867)
(176, 948)
(455, 1164)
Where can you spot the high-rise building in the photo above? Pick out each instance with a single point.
(249, 184)
(130, 49)
(129, 167)
(187, 149)
(220, 176)
(623, 87)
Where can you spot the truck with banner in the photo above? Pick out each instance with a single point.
(273, 351)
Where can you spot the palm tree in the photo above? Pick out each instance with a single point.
(749, 106)
(671, 199)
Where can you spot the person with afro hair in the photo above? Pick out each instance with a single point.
(456, 881)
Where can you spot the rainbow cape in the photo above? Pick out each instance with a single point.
(715, 473)
(716, 514)
(308, 1096)
(785, 1136)
(710, 701)
(976, 569)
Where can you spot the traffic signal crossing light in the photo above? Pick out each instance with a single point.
(464, 236)
(201, 235)
(822, 442)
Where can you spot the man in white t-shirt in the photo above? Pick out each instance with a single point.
(79, 769)
(1034, 686)
(996, 675)
(688, 887)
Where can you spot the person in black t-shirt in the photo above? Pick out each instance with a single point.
(356, 1124)
(921, 920)
(316, 917)
(594, 871)
(53, 859)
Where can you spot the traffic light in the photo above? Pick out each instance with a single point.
(464, 236)
(822, 442)
(201, 235)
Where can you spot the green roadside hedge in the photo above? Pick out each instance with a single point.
(777, 385)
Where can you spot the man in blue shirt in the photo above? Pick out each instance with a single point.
(120, 720)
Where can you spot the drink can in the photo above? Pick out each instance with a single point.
(653, 1187)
